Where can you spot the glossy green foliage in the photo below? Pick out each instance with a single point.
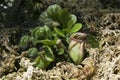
(48, 42)
(50, 15)
(32, 52)
(61, 18)
(38, 32)
(61, 51)
(45, 58)
(41, 63)
(53, 12)
(24, 41)
(49, 54)
(64, 17)
(76, 28)
(59, 32)
(51, 40)
(48, 32)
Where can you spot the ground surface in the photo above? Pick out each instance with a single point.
(102, 63)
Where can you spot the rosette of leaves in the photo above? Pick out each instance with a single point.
(63, 24)
(51, 40)
(41, 36)
(60, 20)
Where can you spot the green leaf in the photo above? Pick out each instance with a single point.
(60, 51)
(66, 31)
(24, 41)
(50, 15)
(53, 12)
(49, 56)
(72, 21)
(33, 31)
(38, 32)
(34, 41)
(43, 17)
(76, 27)
(64, 17)
(32, 52)
(48, 42)
(40, 63)
(58, 31)
(67, 38)
(48, 32)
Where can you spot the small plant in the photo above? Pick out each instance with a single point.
(49, 43)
